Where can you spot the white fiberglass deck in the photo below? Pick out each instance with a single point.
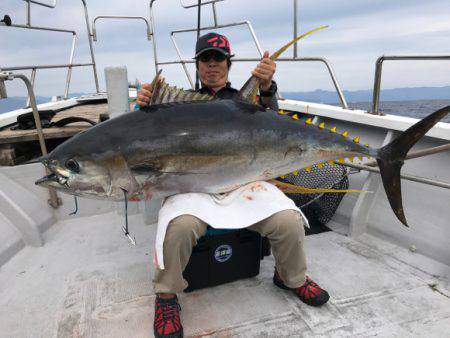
(88, 281)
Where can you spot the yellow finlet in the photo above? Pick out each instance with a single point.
(333, 130)
(282, 112)
(295, 117)
(356, 139)
(295, 173)
(309, 121)
(322, 125)
(345, 134)
(308, 169)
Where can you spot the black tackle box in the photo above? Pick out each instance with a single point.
(225, 257)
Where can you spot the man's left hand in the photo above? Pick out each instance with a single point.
(264, 71)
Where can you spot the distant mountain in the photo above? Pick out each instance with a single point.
(397, 94)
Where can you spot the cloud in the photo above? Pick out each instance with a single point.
(360, 31)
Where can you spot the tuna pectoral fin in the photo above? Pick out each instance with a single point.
(390, 159)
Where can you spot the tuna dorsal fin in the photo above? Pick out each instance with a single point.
(250, 88)
(163, 93)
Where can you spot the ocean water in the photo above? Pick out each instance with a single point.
(418, 109)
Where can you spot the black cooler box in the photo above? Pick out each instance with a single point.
(224, 258)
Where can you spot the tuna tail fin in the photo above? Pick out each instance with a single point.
(250, 88)
(390, 159)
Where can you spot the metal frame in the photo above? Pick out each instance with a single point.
(69, 65)
(379, 69)
(183, 62)
(196, 5)
(42, 3)
(94, 30)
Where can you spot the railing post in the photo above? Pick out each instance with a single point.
(377, 85)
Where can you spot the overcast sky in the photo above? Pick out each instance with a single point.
(360, 31)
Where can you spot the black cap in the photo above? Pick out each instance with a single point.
(213, 41)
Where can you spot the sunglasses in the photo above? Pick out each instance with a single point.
(216, 56)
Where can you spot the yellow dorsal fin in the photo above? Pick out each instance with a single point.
(322, 125)
(281, 112)
(356, 139)
(341, 160)
(345, 134)
(295, 117)
(295, 173)
(275, 55)
(333, 130)
(308, 169)
(351, 159)
(309, 121)
(250, 88)
(320, 165)
(366, 145)
(331, 162)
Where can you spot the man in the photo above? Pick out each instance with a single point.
(276, 216)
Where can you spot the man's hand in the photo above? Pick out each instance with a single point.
(145, 94)
(265, 71)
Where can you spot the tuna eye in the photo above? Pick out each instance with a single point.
(73, 165)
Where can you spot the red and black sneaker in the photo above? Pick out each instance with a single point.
(309, 293)
(167, 318)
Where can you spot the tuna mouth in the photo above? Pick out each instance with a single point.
(52, 178)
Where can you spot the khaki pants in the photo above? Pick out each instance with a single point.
(285, 231)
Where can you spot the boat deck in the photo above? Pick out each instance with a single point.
(87, 281)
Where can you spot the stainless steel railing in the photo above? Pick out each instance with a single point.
(8, 76)
(94, 30)
(379, 69)
(70, 64)
(216, 25)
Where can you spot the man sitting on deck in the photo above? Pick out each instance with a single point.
(270, 212)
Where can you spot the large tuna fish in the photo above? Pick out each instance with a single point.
(187, 142)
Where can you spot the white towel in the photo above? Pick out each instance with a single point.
(237, 209)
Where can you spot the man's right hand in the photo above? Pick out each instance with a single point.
(144, 95)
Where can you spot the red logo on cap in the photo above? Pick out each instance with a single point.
(224, 43)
